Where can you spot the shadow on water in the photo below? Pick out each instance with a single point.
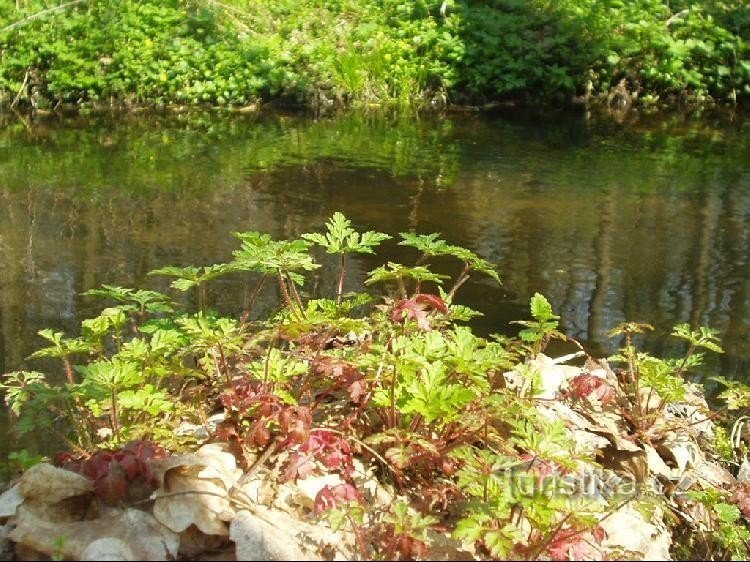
(644, 221)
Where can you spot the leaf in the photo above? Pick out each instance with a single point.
(428, 244)
(330, 497)
(342, 238)
(259, 252)
(541, 309)
(418, 308)
(394, 271)
(572, 544)
(112, 486)
(727, 513)
(590, 386)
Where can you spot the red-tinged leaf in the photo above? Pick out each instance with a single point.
(346, 376)
(589, 386)
(333, 451)
(300, 466)
(68, 462)
(741, 498)
(399, 456)
(259, 435)
(130, 464)
(598, 534)
(418, 308)
(357, 389)
(329, 497)
(112, 486)
(295, 422)
(97, 465)
(543, 468)
(410, 548)
(431, 301)
(146, 450)
(571, 544)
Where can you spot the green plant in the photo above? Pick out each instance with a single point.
(325, 386)
(724, 535)
(539, 331)
(342, 239)
(651, 383)
(239, 52)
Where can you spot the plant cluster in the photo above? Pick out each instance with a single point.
(237, 52)
(325, 383)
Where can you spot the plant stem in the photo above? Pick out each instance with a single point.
(224, 365)
(115, 421)
(202, 298)
(359, 536)
(285, 295)
(296, 296)
(547, 541)
(401, 287)
(342, 273)
(462, 278)
(679, 370)
(253, 297)
(68, 369)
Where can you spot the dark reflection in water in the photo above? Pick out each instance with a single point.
(648, 221)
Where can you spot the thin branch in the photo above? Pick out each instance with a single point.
(21, 89)
(253, 297)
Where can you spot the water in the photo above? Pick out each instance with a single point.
(644, 221)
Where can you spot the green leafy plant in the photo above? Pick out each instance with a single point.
(342, 239)
(327, 386)
(539, 331)
(652, 383)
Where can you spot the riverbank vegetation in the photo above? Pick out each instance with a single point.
(424, 53)
(383, 411)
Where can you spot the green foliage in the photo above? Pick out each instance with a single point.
(399, 273)
(341, 238)
(652, 383)
(539, 331)
(427, 401)
(729, 536)
(238, 52)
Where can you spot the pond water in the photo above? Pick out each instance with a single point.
(646, 220)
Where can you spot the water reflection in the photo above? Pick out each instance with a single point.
(645, 222)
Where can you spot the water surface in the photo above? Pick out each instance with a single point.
(645, 221)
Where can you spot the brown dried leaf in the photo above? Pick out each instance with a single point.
(48, 484)
(189, 499)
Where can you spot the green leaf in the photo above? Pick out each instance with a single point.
(541, 309)
(394, 271)
(341, 238)
(727, 513)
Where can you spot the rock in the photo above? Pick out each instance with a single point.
(50, 484)
(628, 530)
(10, 500)
(146, 538)
(256, 539)
(107, 548)
(270, 534)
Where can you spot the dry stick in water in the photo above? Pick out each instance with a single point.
(20, 90)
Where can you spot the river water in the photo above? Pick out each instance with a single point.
(642, 220)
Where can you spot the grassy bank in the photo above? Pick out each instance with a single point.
(344, 52)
